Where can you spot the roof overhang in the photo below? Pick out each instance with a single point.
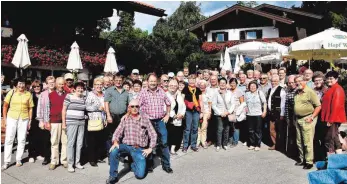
(245, 9)
(289, 10)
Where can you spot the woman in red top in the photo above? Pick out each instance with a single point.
(333, 112)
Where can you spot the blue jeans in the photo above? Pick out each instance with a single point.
(139, 161)
(235, 137)
(192, 123)
(160, 128)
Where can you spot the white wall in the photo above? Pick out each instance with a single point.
(234, 34)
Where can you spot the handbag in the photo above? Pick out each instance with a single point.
(95, 125)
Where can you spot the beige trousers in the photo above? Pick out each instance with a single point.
(58, 135)
(202, 130)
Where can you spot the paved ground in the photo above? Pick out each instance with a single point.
(236, 165)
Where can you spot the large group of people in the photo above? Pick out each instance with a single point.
(140, 117)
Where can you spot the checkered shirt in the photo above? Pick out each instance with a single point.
(289, 107)
(153, 103)
(136, 132)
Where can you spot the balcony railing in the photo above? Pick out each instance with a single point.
(214, 47)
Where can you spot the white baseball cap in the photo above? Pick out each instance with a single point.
(171, 74)
(136, 71)
(68, 76)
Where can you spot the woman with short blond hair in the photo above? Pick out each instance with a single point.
(96, 114)
(205, 115)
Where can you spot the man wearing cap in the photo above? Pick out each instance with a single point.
(171, 75)
(83, 77)
(135, 74)
(68, 87)
(116, 102)
(132, 138)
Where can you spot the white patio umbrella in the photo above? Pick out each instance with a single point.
(221, 62)
(21, 57)
(111, 62)
(342, 60)
(256, 49)
(237, 66)
(242, 61)
(227, 63)
(74, 62)
(327, 45)
(272, 58)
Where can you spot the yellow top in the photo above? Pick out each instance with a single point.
(306, 102)
(19, 105)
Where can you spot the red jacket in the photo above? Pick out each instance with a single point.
(333, 105)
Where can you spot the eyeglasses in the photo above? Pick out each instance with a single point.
(166, 80)
(36, 86)
(263, 78)
(135, 106)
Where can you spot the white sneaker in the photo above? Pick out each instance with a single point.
(244, 144)
(225, 147)
(217, 149)
(78, 166)
(70, 169)
(257, 149)
(31, 160)
(251, 148)
(40, 158)
(5, 166)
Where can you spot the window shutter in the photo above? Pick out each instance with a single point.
(242, 35)
(226, 36)
(259, 34)
(214, 37)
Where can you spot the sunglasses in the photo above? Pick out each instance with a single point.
(135, 106)
(166, 80)
(263, 78)
(36, 86)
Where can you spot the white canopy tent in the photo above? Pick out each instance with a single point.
(257, 49)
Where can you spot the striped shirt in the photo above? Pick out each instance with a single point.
(75, 111)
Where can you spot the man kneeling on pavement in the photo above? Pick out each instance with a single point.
(131, 138)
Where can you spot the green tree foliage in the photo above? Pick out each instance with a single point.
(166, 49)
(250, 4)
(334, 12)
(174, 42)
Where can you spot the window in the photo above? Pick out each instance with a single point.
(220, 36)
(251, 34)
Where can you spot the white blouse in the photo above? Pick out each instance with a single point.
(181, 107)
